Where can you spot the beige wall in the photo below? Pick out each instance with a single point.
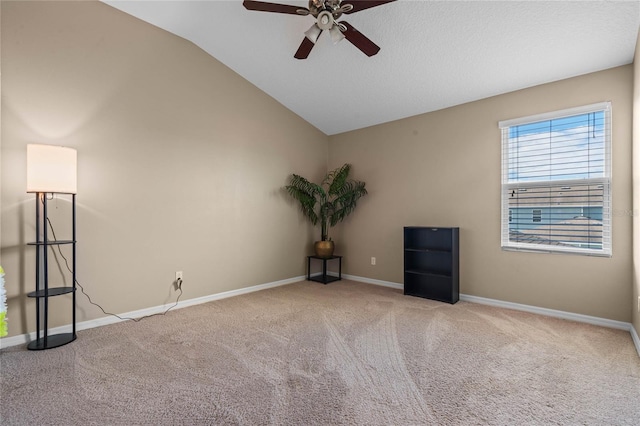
(443, 169)
(180, 162)
(636, 189)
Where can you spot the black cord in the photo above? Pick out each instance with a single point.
(101, 308)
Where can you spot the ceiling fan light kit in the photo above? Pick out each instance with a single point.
(336, 34)
(313, 33)
(325, 20)
(326, 13)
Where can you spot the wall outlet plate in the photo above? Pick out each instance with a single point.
(178, 281)
(373, 260)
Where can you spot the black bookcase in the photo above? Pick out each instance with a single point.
(431, 263)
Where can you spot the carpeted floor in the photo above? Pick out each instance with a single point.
(344, 353)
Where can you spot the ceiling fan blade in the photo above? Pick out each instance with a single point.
(359, 5)
(358, 39)
(274, 7)
(304, 49)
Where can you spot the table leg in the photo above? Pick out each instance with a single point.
(324, 271)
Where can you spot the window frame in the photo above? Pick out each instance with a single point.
(605, 181)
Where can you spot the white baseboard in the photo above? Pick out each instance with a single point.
(620, 325)
(636, 339)
(84, 325)
(372, 281)
(603, 322)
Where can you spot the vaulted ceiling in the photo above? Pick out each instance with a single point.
(434, 54)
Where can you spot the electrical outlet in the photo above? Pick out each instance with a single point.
(373, 260)
(178, 281)
(638, 303)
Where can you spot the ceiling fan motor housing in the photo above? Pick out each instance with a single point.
(316, 7)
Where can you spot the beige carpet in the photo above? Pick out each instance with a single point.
(344, 353)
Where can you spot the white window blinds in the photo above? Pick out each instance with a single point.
(556, 181)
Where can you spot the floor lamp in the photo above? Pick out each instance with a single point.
(51, 170)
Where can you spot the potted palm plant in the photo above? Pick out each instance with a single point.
(329, 202)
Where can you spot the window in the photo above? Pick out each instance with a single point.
(556, 181)
(537, 215)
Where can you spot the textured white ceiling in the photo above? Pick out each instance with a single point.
(434, 54)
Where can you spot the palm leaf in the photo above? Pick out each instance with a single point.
(337, 179)
(346, 201)
(305, 192)
(331, 205)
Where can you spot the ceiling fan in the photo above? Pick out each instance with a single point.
(326, 12)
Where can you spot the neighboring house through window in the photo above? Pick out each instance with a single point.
(537, 215)
(556, 181)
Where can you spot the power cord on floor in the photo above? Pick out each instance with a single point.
(178, 285)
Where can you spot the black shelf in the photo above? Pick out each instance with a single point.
(50, 243)
(51, 341)
(431, 265)
(42, 291)
(426, 272)
(56, 291)
(427, 250)
(324, 278)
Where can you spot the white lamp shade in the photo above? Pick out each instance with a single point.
(52, 169)
(313, 33)
(336, 34)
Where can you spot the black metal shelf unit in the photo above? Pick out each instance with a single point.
(431, 263)
(43, 292)
(324, 278)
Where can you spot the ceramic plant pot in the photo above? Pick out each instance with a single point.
(324, 248)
